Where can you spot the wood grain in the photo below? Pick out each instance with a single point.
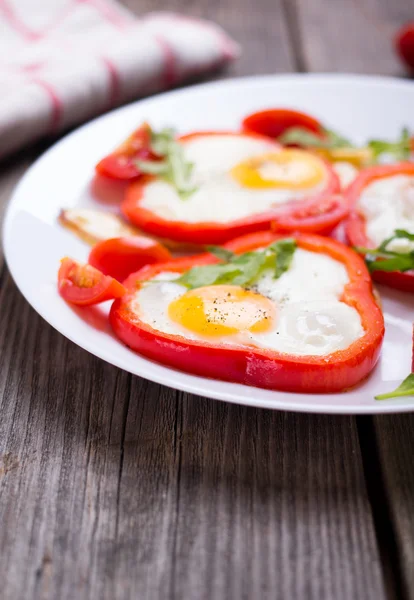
(362, 43)
(394, 436)
(352, 36)
(114, 487)
(258, 25)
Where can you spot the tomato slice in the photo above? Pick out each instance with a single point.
(119, 257)
(84, 285)
(315, 215)
(275, 121)
(121, 164)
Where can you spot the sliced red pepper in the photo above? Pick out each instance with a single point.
(121, 164)
(355, 225)
(254, 366)
(275, 121)
(320, 215)
(119, 257)
(84, 285)
(208, 232)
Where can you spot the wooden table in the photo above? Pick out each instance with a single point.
(112, 487)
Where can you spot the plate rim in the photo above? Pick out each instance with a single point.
(194, 384)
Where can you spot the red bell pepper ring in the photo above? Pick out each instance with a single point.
(209, 232)
(355, 225)
(119, 257)
(122, 163)
(320, 215)
(84, 285)
(275, 121)
(254, 366)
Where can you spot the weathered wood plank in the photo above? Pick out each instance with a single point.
(352, 36)
(395, 446)
(357, 36)
(258, 25)
(113, 487)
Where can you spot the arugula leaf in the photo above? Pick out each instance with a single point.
(405, 389)
(400, 150)
(152, 167)
(390, 260)
(161, 140)
(284, 250)
(173, 167)
(337, 140)
(208, 275)
(242, 269)
(304, 137)
(220, 252)
(398, 234)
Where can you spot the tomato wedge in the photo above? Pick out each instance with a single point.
(259, 366)
(355, 225)
(312, 215)
(84, 285)
(275, 121)
(119, 257)
(121, 164)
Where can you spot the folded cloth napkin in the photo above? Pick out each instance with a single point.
(63, 61)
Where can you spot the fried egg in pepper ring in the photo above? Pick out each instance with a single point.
(313, 327)
(238, 180)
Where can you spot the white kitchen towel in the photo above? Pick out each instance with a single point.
(64, 61)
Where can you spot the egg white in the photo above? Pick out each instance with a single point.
(310, 318)
(218, 197)
(345, 171)
(388, 204)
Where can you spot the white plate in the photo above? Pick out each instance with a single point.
(360, 107)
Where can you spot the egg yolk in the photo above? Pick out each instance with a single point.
(289, 169)
(222, 310)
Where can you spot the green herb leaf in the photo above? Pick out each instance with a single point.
(336, 140)
(284, 251)
(161, 140)
(241, 269)
(402, 233)
(220, 252)
(399, 150)
(405, 389)
(173, 167)
(304, 137)
(390, 260)
(153, 167)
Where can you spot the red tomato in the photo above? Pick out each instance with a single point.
(121, 164)
(404, 43)
(118, 257)
(320, 215)
(84, 285)
(273, 122)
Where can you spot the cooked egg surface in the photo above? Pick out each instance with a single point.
(388, 204)
(95, 225)
(299, 313)
(223, 192)
(346, 172)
